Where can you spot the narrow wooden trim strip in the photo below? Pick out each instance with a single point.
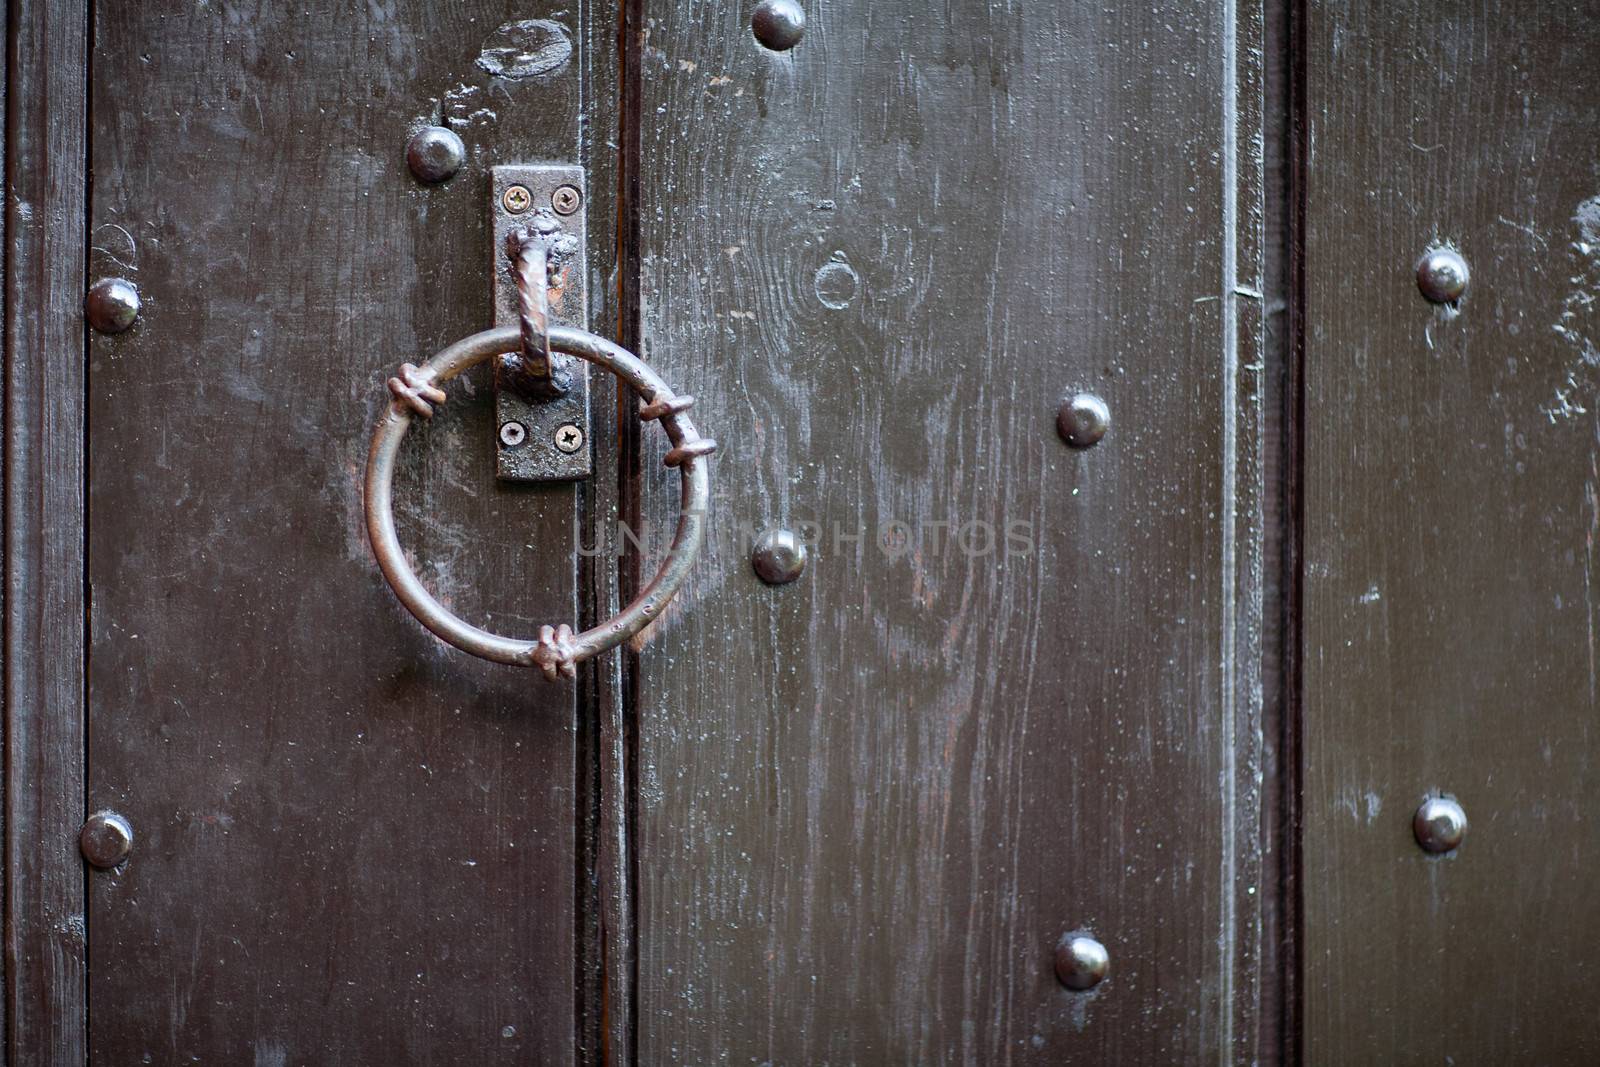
(45, 247)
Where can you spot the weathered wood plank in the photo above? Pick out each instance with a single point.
(356, 844)
(44, 508)
(1450, 518)
(872, 801)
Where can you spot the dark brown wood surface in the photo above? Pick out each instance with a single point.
(1450, 524)
(848, 819)
(355, 845)
(871, 802)
(44, 512)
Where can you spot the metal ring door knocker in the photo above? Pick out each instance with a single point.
(557, 651)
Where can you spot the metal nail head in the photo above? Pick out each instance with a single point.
(1083, 420)
(779, 557)
(112, 305)
(435, 154)
(1439, 824)
(1442, 275)
(1081, 961)
(778, 24)
(106, 839)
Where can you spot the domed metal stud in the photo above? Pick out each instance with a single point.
(1439, 824)
(106, 839)
(112, 305)
(1081, 962)
(1442, 275)
(435, 154)
(779, 557)
(778, 24)
(1083, 420)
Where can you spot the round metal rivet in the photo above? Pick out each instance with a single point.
(1439, 824)
(106, 839)
(513, 434)
(569, 438)
(434, 154)
(517, 199)
(1442, 275)
(778, 24)
(1083, 420)
(1081, 961)
(566, 199)
(112, 305)
(779, 557)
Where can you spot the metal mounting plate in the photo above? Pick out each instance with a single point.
(536, 457)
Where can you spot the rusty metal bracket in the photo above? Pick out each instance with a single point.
(538, 252)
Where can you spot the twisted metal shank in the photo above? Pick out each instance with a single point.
(535, 251)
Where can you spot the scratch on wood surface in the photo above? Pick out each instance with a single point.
(126, 255)
(1525, 227)
(1576, 325)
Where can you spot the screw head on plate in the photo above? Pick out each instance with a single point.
(778, 24)
(566, 199)
(513, 434)
(435, 154)
(1081, 961)
(1440, 824)
(112, 305)
(1442, 275)
(1083, 420)
(569, 438)
(779, 557)
(516, 199)
(106, 839)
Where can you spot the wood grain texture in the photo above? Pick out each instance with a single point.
(356, 845)
(1450, 525)
(871, 802)
(44, 511)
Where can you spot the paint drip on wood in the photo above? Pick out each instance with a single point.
(530, 48)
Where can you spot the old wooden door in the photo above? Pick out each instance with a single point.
(1110, 547)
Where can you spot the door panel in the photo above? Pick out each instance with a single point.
(354, 844)
(871, 801)
(1450, 517)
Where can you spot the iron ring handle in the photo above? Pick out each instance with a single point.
(557, 651)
